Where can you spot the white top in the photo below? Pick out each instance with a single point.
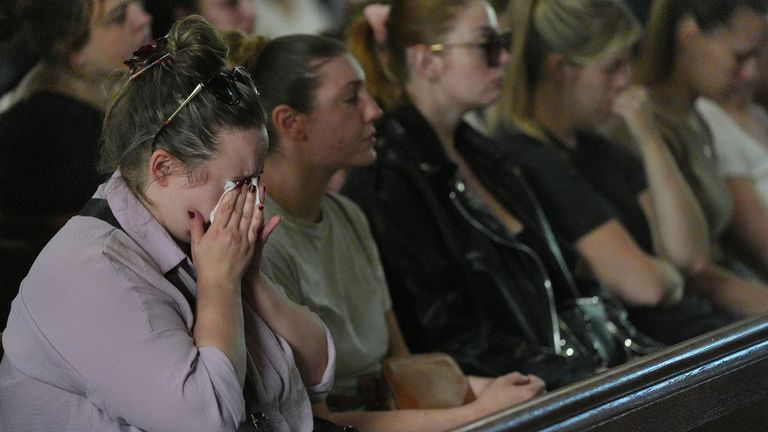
(741, 155)
(276, 18)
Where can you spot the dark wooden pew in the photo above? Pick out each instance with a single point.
(716, 382)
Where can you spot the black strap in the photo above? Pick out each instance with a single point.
(99, 208)
(548, 233)
(173, 277)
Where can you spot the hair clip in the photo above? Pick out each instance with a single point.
(147, 56)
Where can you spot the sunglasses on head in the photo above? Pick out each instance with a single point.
(147, 56)
(223, 85)
(491, 43)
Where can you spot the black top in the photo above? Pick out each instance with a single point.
(618, 176)
(50, 146)
(583, 187)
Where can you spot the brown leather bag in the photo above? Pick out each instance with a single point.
(417, 381)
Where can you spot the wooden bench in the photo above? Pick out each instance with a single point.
(716, 382)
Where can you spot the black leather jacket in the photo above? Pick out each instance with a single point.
(457, 286)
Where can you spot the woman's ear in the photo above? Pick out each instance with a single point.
(161, 164)
(556, 67)
(289, 123)
(424, 62)
(687, 32)
(76, 59)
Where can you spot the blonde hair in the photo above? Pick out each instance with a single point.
(583, 30)
(411, 22)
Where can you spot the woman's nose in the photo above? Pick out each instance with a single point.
(504, 57)
(141, 18)
(372, 110)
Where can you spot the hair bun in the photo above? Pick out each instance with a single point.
(195, 47)
(244, 50)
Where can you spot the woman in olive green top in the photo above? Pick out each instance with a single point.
(712, 44)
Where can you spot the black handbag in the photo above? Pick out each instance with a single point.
(597, 319)
(323, 425)
(606, 326)
(604, 319)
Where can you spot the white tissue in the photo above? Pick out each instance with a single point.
(229, 185)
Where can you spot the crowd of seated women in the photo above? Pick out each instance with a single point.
(211, 229)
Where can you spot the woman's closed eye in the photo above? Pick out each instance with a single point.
(351, 95)
(617, 66)
(352, 100)
(118, 15)
(253, 179)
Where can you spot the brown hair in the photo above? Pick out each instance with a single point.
(285, 69)
(53, 29)
(411, 22)
(141, 106)
(660, 46)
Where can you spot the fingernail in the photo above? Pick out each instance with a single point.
(191, 215)
(247, 181)
(252, 189)
(261, 207)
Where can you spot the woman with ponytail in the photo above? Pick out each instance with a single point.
(321, 120)
(148, 310)
(564, 81)
(628, 219)
(709, 49)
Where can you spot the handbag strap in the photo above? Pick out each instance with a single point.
(99, 208)
(547, 232)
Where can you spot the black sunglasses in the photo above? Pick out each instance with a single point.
(222, 85)
(492, 43)
(147, 56)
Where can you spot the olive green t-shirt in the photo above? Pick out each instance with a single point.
(333, 267)
(691, 144)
